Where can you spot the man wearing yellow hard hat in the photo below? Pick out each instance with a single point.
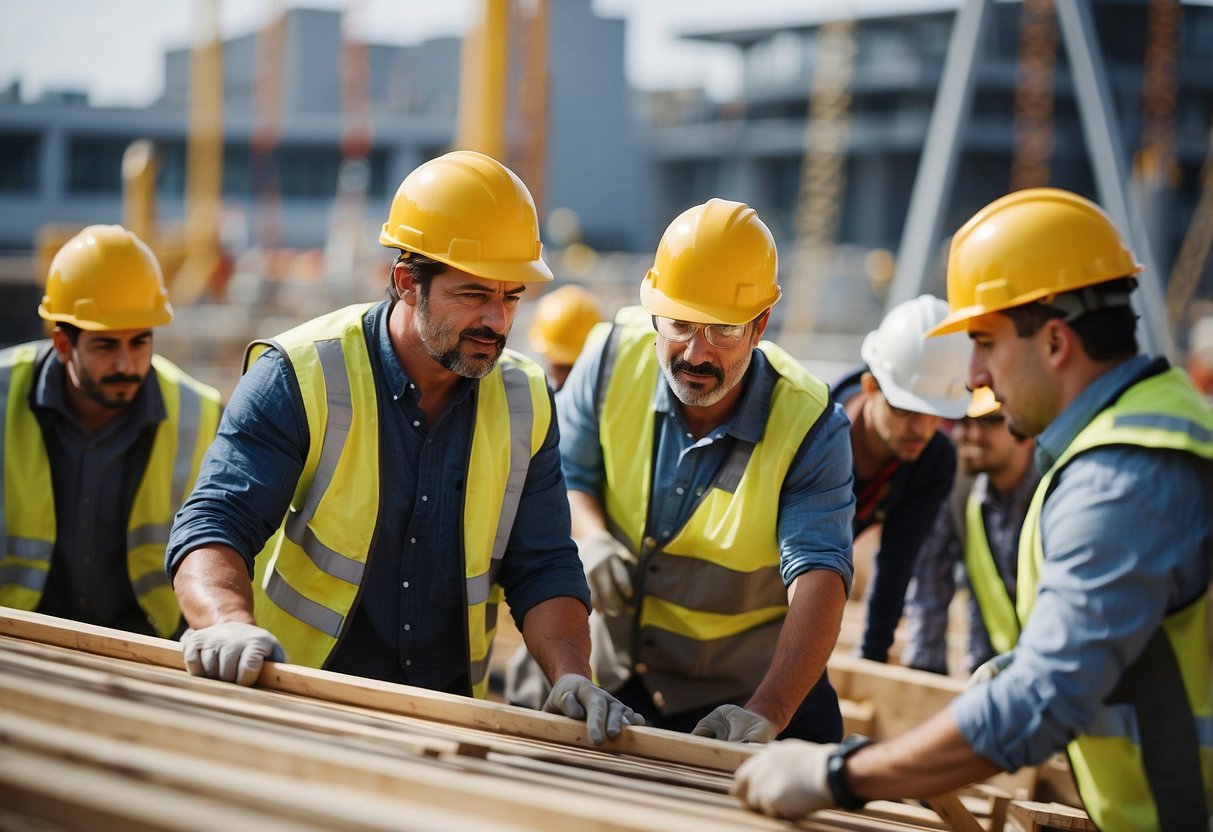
(709, 478)
(1112, 661)
(563, 320)
(977, 527)
(390, 472)
(102, 441)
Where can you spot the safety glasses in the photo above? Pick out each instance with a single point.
(721, 336)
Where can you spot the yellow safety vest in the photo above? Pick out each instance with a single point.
(711, 601)
(1169, 785)
(310, 572)
(997, 609)
(27, 524)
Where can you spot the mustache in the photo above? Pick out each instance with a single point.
(706, 368)
(121, 378)
(485, 333)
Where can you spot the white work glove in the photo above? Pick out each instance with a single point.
(990, 669)
(608, 570)
(231, 651)
(577, 697)
(787, 779)
(734, 723)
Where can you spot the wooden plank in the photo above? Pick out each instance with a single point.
(857, 717)
(387, 733)
(1031, 816)
(953, 813)
(373, 738)
(902, 697)
(383, 696)
(282, 803)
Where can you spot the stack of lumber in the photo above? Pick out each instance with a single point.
(104, 730)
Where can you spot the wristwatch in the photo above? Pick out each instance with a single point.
(836, 777)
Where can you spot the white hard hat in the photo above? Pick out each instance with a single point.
(925, 375)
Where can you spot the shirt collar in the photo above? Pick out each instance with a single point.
(748, 420)
(398, 382)
(1086, 405)
(50, 394)
(1019, 495)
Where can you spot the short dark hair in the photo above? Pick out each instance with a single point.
(422, 268)
(70, 330)
(1107, 333)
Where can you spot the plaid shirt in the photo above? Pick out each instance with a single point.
(940, 565)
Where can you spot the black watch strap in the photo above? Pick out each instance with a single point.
(836, 777)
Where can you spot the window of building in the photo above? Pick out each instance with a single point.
(18, 163)
(95, 164)
(779, 61)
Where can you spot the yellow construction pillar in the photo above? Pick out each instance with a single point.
(483, 81)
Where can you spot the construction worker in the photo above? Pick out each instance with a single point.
(977, 527)
(1200, 357)
(1115, 555)
(719, 562)
(563, 319)
(405, 469)
(102, 441)
(903, 463)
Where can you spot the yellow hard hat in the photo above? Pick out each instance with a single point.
(1027, 247)
(105, 278)
(983, 403)
(716, 264)
(563, 319)
(469, 211)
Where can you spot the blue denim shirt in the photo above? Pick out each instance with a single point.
(1116, 563)
(410, 619)
(94, 477)
(905, 507)
(815, 504)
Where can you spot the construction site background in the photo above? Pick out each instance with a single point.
(270, 158)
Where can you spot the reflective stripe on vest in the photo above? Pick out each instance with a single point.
(1146, 762)
(309, 574)
(997, 609)
(27, 525)
(711, 601)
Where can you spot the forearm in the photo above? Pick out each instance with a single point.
(588, 517)
(557, 634)
(929, 760)
(212, 585)
(806, 640)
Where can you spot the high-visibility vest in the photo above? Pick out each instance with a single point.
(27, 518)
(1166, 696)
(309, 573)
(997, 608)
(711, 601)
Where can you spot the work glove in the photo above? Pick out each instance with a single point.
(577, 697)
(733, 723)
(608, 570)
(990, 669)
(787, 779)
(231, 651)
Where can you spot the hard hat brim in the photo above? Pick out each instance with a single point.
(113, 321)
(658, 303)
(905, 400)
(957, 321)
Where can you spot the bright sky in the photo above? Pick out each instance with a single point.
(113, 48)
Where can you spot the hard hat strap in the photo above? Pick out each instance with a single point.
(1079, 302)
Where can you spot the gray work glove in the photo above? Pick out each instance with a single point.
(734, 723)
(787, 779)
(231, 651)
(577, 697)
(608, 570)
(990, 669)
